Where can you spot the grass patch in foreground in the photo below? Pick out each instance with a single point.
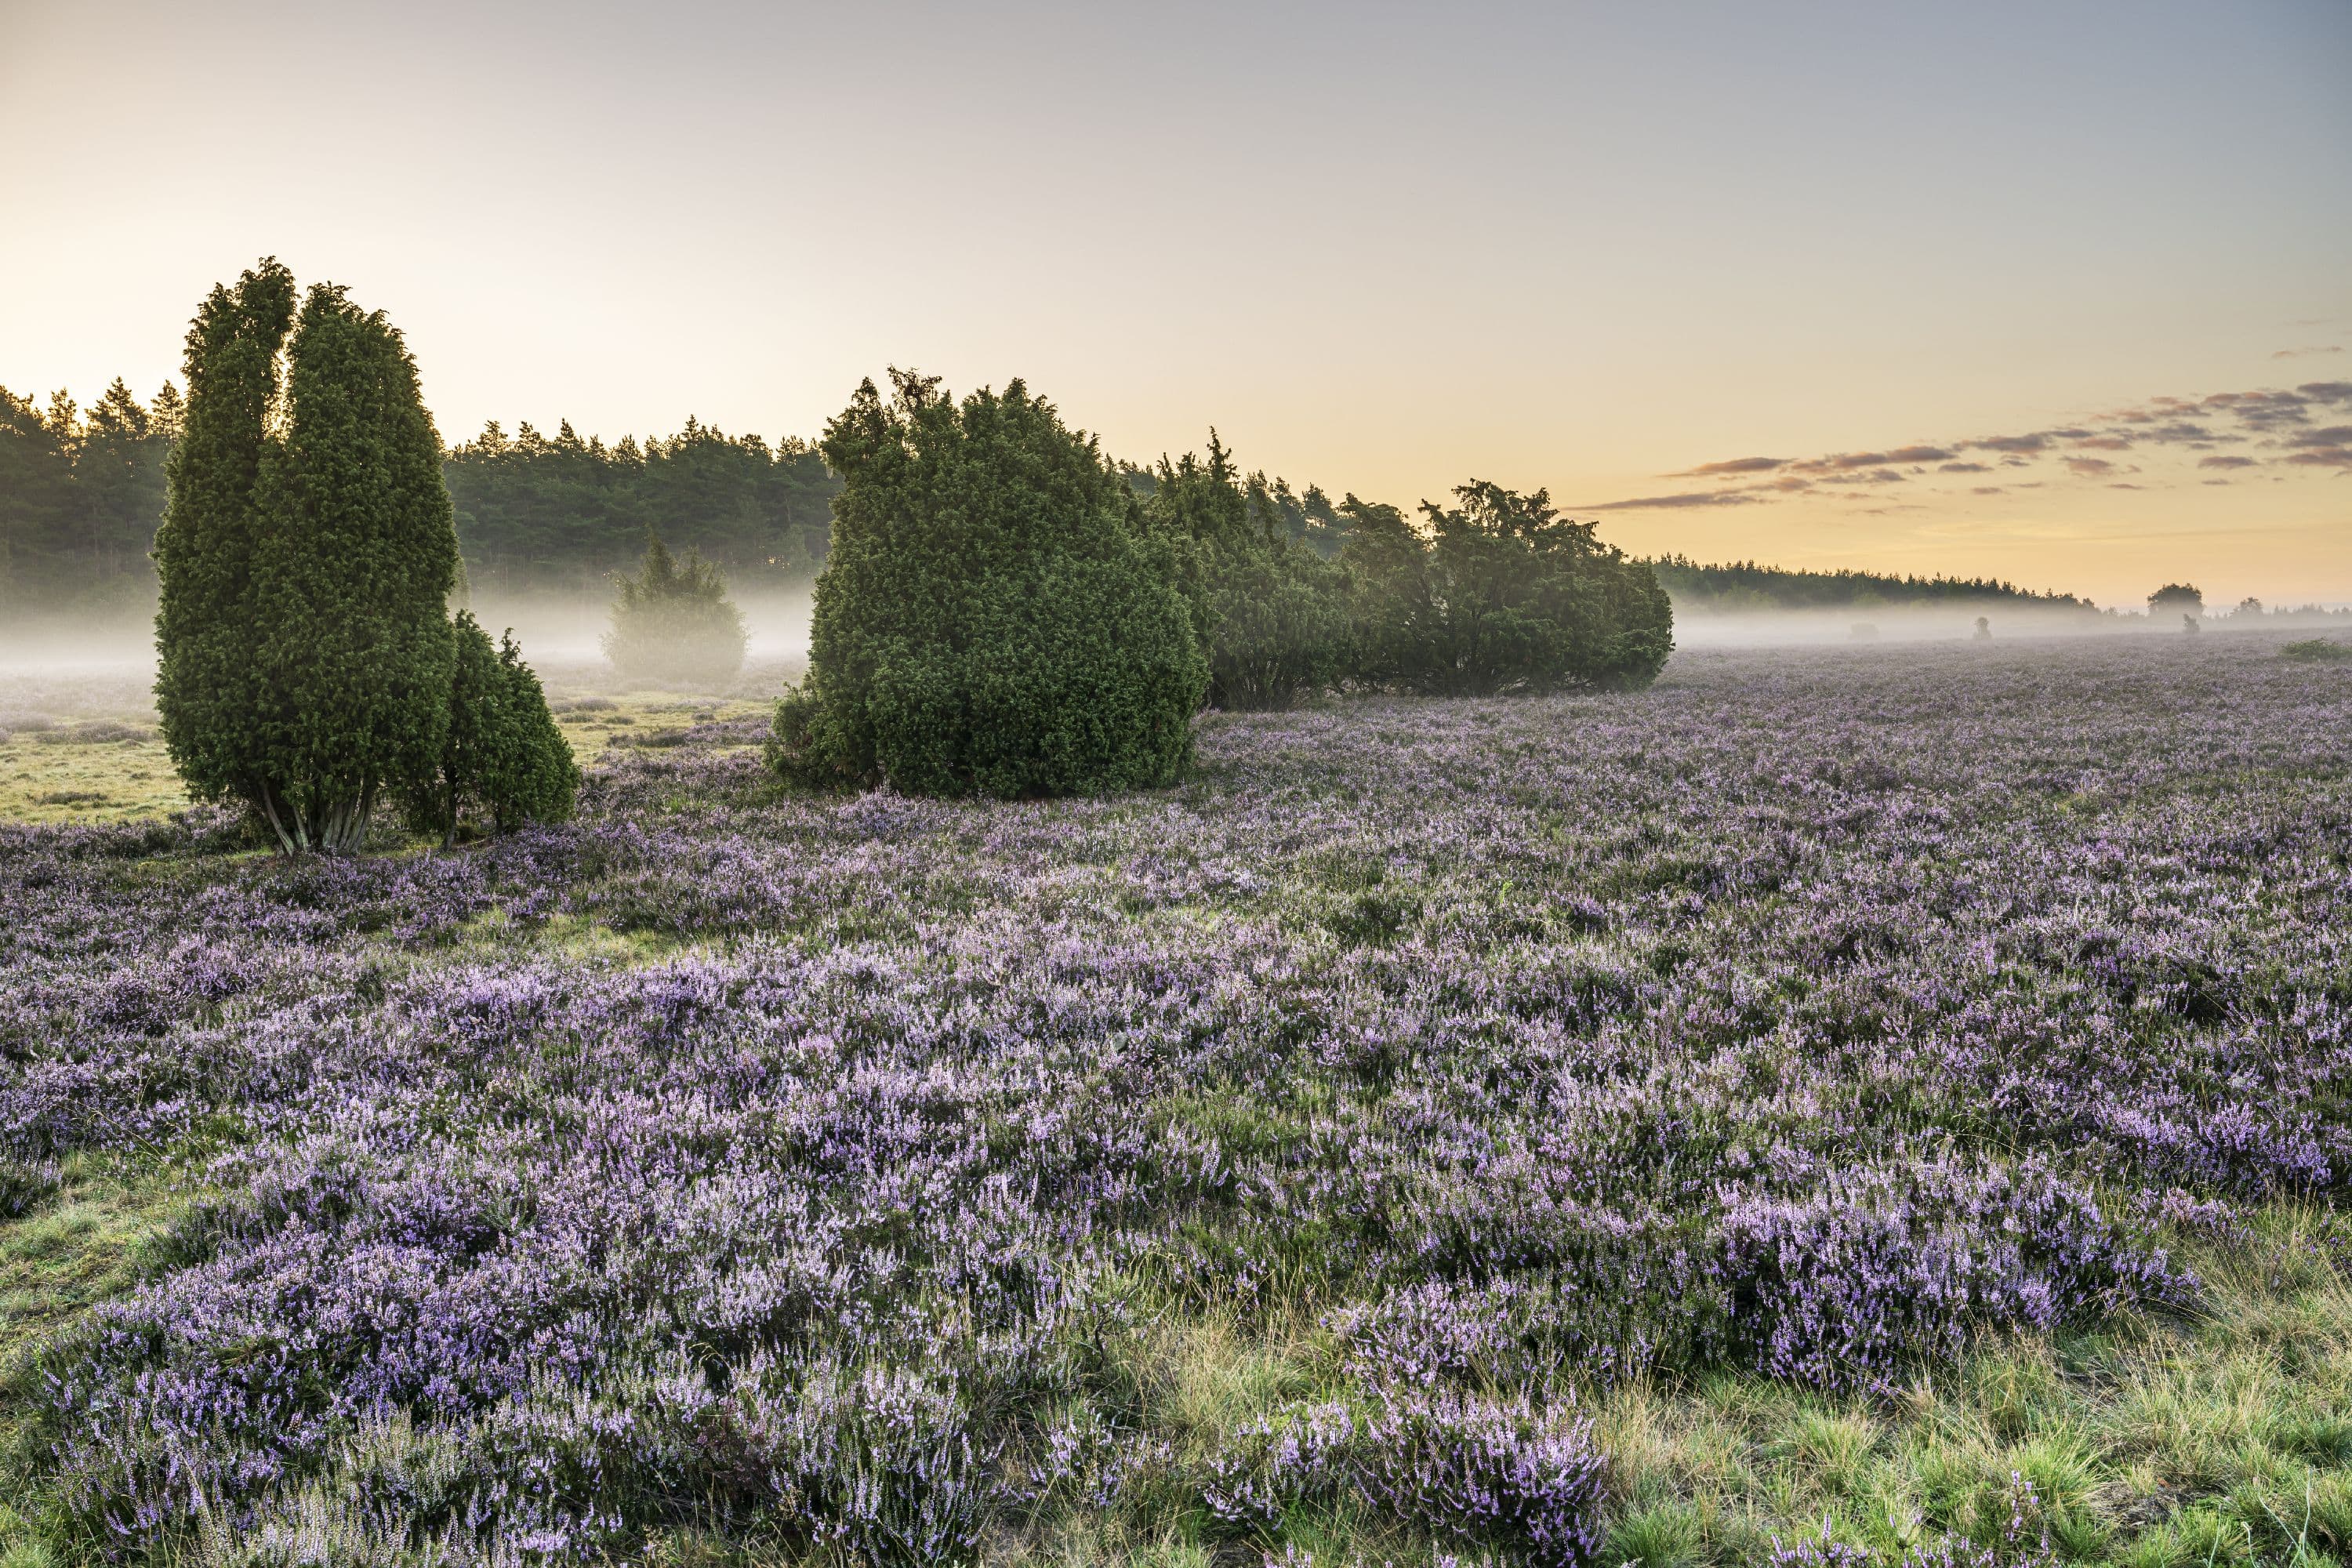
(86, 1242)
(2148, 1445)
(2143, 1445)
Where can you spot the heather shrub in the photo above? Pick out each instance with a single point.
(1499, 593)
(673, 621)
(987, 622)
(503, 757)
(1270, 612)
(2317, 651)
(1486, 1473)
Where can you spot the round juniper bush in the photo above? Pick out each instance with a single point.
(988, 621)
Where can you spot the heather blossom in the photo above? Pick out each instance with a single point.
(814, 1168)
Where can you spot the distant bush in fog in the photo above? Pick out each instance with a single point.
(673, 621)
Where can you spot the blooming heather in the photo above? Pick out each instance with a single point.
(797, 1165)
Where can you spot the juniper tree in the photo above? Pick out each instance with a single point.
(988, 620)
(1269, 612)
(306, 560)
(673, 620)
(1500, 593)
(204, 549)
(503, 757)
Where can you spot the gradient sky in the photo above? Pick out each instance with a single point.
(1604, 248)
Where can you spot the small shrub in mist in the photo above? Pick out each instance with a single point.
(1270, 614)
(1499, 593)
(673, 621)
(307, 552)
(989, 620)
(2317, 651)
(503, 757)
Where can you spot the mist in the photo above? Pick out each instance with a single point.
(1948, 621)
(560, 633)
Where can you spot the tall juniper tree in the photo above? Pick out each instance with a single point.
(307, 556)
(204, 549)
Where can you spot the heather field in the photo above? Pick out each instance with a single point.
(1840, 1107)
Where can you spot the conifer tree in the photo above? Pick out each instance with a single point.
(988, 620)
(503, 757)
(673, 620)
(1270, 614)
(203, 551)
(1501, 593)
(306, 561)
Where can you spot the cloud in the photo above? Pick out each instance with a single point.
(1841, 462)
(1675, 503)
(2261, 409)
(1988, 491)
(2276, 418)
(1732, 466)
(2301, 354)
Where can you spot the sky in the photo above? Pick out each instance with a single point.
(2059, 292)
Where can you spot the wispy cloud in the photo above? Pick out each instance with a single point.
(2276, 428)
(1730, 465)
(1675, 503)
(2305, 354)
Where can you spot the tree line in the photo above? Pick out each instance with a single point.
(1740, 585)
(81, 492)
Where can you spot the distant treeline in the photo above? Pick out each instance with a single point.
(81, 492)
(1740, 585)
(82, 489)
(540, 512)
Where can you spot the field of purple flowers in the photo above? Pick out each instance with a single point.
(1313, 1159)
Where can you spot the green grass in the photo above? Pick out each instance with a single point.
(69, 771)
(93, 1238)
